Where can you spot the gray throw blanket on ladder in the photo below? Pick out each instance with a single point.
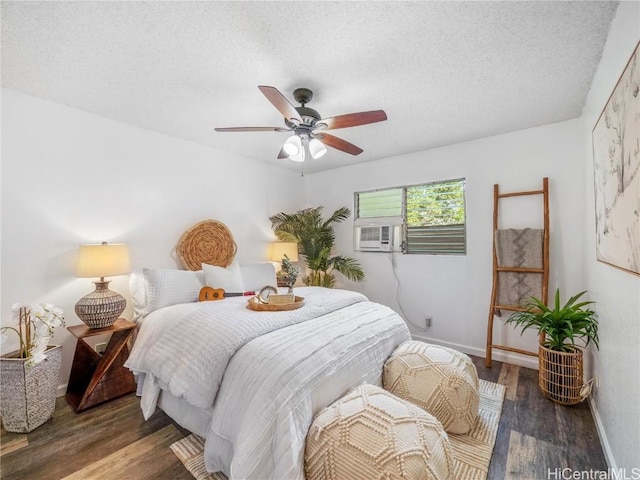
(522, 249)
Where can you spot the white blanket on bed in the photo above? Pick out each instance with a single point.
(187, 351)
(279, 381)
(276, 383)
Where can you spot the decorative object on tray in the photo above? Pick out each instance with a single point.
(289, 273)
(616, 171)
(316, 240)
(255, 304)
(265, 293)
(102, 307)
(269, 295)
(29, 376)
(560, 373)
(209, 242)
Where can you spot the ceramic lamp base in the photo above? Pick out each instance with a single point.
(102, 307)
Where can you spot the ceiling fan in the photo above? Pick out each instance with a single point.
(308, 127)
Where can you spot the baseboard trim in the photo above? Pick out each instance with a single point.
(61, 391)
(500, 356)
(604, 442)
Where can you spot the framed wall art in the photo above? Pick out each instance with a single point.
(616, 165)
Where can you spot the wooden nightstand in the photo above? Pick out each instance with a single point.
(98, 378)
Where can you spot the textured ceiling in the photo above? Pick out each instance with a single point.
(444, 72)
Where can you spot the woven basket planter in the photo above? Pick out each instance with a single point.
(28, 394)
(560, 375)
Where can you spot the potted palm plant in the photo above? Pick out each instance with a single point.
(560, 374)
(316, 240)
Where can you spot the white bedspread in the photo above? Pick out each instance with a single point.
(262, 376)
(276, 383)
(187, 350)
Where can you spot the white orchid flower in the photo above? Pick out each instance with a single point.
(37, 310)
(36, 358)
(43, 330)
(42, 319)
(54, 321)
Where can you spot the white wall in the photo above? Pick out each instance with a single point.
(617, 293)
(70, 177)
(456, 290)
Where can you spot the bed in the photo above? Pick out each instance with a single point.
(250, 382)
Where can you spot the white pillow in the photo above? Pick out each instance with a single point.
(136, 287)
(164, 287)
(258, 275)
(229, 279)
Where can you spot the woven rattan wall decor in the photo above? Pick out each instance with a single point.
(208, 242)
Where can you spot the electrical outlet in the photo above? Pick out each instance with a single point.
(101, 347)
(428, 320)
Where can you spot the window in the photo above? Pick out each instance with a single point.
(432, 215)
(380, 203)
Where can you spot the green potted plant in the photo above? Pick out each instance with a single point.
(288, 273)
(316, 240)
(560, 374)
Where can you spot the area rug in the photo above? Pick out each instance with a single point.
(472, 452)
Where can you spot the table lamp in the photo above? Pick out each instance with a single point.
(280, 249)
(102, 307)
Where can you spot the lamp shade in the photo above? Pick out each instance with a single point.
(103, 260)
(280, 249)
(293, 145)
(316, 148)
(299, 157)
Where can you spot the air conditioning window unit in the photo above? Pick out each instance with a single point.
(377, 238)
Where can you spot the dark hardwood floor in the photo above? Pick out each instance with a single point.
(113, 442)
(537, 436)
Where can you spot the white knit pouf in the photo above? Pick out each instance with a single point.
(371, 434)
(442, 381)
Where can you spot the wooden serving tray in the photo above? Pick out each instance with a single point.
(254, 304)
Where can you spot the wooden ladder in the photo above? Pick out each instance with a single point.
(495, 309)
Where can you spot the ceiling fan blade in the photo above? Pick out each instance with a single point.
(338, 143)
(252, 129)
(354, 119)
(280, 102)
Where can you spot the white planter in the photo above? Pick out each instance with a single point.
(28, 393)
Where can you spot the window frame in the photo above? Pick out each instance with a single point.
(402, 220)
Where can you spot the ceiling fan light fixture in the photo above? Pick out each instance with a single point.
(299, 157)
(304, 122)
(316, 148)
(293, 146)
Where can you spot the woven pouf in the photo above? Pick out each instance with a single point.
(371, 434)
(442, 381)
